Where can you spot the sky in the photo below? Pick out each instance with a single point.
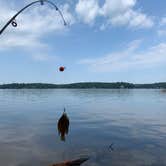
(104, 41)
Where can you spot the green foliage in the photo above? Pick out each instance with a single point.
(84, 85)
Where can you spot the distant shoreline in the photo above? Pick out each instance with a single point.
(84, 85)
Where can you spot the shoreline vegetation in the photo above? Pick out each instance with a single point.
(84, 85)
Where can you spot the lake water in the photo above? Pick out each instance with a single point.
(134, 121)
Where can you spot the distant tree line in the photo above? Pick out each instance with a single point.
(84, 85)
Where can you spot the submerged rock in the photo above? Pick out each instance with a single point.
(72, 163)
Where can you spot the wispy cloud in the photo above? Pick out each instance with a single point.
(162, 32)
(87, 11)
(131, 58)
(43, 57)
(162, 27)
(163, 21)
(115, 12)
(33, 25)
(24, 41)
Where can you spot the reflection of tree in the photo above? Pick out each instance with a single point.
(111, 147)
(164, 90)
(63, 125)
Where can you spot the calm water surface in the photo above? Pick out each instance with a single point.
(133, 120)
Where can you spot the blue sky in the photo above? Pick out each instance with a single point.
(104, 41)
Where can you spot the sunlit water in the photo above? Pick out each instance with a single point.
(133, 120)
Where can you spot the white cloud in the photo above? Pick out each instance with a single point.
(162, 32)
(38, 19)
(44, 20)
(87, 10)
(43, 57)
(162, 27)
(163, 21)
(116, 12)
(33, 25)
(114, 7)
(24, 41)
(132, 19)
(129, 58)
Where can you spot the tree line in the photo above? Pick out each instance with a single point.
(84, 85)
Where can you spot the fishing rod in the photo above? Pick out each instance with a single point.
(13, 22)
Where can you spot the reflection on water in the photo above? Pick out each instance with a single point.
(63, 125)
(133, 120)
(111, 148)
(163, 90)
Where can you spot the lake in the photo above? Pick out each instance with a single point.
(133, 122)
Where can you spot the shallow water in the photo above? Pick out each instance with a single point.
(133, 120)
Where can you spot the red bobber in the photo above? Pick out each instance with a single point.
(62, 68)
